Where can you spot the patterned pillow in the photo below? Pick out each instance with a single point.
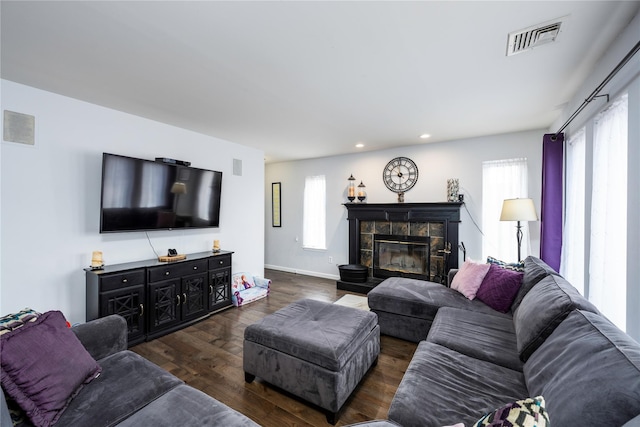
(529, 412)
(515, 266)
(14, 321)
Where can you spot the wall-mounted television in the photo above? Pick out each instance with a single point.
(142, 195)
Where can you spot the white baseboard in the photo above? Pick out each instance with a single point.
(303, 272)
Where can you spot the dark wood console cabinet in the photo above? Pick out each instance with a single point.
(156, 297)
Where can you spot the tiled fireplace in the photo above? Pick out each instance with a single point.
(398, 254)
(417, 240)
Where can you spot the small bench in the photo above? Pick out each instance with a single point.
(315, 350)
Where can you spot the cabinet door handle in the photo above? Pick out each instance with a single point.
(178, 297)
(210, 289)
(124, 280)
(141, 309)
(195, 267)
(185, 298)
(221, 262)
(166, 273)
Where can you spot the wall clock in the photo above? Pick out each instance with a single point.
(400, 175)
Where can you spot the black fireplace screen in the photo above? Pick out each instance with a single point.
(404, 256)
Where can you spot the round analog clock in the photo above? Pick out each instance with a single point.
(400, 174)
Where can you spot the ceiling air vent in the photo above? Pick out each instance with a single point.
(535, 36)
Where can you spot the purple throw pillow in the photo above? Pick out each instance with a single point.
(44, 366)
(499, 288)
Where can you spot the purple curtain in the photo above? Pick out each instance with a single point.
(551, 209)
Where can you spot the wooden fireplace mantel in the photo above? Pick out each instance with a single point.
(444, 212)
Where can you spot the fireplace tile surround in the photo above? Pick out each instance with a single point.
(438, 221)
(422, 229)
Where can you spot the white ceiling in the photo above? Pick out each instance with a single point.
(311, 79)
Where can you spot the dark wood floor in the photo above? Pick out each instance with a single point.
(208, 356)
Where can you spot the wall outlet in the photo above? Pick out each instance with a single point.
(330, 260)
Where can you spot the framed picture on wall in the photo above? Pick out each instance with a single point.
(276, 216)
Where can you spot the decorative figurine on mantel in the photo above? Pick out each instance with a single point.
(351, 191)
(453, 187)
(361, 193)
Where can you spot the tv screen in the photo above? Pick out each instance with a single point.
(139, 195)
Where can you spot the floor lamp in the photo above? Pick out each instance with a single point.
(518, 210)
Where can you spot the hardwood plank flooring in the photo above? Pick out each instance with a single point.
(208, 356)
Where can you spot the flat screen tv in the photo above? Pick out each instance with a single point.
(142, 195)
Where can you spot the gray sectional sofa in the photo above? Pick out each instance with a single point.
(471, 359)
(131, 391)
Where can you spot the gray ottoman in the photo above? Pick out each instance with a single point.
(313, 349)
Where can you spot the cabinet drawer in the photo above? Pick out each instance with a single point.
(166, 272)
(121, 280)
(219, 262)
(194, 267)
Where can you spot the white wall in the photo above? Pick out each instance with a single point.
(436, 162)
(51, 199)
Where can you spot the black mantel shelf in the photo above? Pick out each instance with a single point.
(405, 211)
(445, 212)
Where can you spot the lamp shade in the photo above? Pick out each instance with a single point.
(518, 210)
(179, 188)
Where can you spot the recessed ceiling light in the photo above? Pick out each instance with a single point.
(359, 145)
(424, 136)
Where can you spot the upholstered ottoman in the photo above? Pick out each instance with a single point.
(313, 349)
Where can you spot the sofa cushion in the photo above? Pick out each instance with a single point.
(478, 335)
(128, 382)
(534, 270)
(444, 387)
(634, 422)
(407, 328)
(44, 366)
(103, 336)
(406, 307)
(523, 413)
(419, 298)
(587, 369)
(186, 406)
(542, 310)
(469, 278)
(499, 288)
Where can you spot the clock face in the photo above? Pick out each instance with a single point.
(400, 174)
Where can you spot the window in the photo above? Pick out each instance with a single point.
(503, 179)
(608, 249)
(314, 213)
(573, 250)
